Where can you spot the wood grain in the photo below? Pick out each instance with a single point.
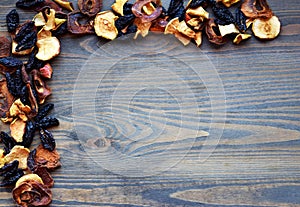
(257, 159)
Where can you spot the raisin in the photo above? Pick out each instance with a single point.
(9, 168)
(47, 139)
(223, 15)
(25, 29)
(12, 20)
(8, 142)
(43, 111)
(11, 62)
(28, 4)
(18, 82)
(12, 179)
(176, 9)
(29, 134)
(31, 160)
(240, 20)
(27, 42)
(48, 122)
(124, 21)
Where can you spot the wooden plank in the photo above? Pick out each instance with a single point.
(256, 161)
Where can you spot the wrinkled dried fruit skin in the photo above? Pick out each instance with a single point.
(31, 160)
(27, 42)
(5, 46)
(176, 9)
(24, 30)
(127, 8)
(11, 85)
(28, 4)
(62, 29)
(46, 158)
(137, 11)
(11, 62)
(42, 89)
(12, 20)
(196, 3)
(8, 142)
(12, 179)
(43, 111)
(256, 9)
(240, 20)
(77, 28)
(29, 134)
(9, 168)
(223, 15)
(90, 7)
(32, 193)
(48, 122)
(211, 34)
(45, 175)
(6, 98)
(47, 139)
(33, 62)
(47, 3)
(124, 21)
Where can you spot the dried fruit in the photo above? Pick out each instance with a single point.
(46, 71)
(41, 87)
(18, 109)
(17, 129)
(32, 193)
(12, 178)
(19, 153)
(228, 3)
(198, 12)
(118, 6)
(65, 4)
(176, 9)
(47, 139)
(223, 15)
(46, 158)
(8, 142)
(241, 37)
(142, 27)
(11, 62)
(48, 122)
(90, 7)
(29, 134)
(198, 38)
(266, 28)
(171, 27)
(185, 30)
(49, 47)
(45, 176)
(105, 25)
(5, 46)
(227, 29)
(123, 22)
(43, 111)
(240, 20)
(28, 178)
(256, 9)
(213, 37)
(137, 11)
(76, 25)
(12, 20)
(6, 98)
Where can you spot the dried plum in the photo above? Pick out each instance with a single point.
(47, 139)
(12, 20)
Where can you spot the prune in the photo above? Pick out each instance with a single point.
(47, 139)
(43, 111)
(29, 134)
(11, 62)
(124, 21)
(12, 179)
(12, 20)
(28, 4)
(196, 3)
(240, 20)
(33, 62)
(76, 25)
(127, 8)
(31, 160)
(62, 29)
(18, 82)
(24, 31)
(27, 42)
(223, 15)
(48, 122)
(24, 95)
(11, 85)
(9, 168)
(176, 9)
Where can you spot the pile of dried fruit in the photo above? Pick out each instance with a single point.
(23, 87)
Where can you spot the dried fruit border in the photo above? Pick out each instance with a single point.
(24, 90)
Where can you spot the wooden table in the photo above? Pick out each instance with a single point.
(256, 162)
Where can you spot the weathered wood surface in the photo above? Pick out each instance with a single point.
(256, 162)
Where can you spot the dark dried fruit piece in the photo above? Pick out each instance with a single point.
(11, 85)
(12, 179)
(240, 20)
(48, 122)
(27, 42)
(47, 140)
(9, 168)
(127, 8)
(33, 62)
(43, 173)
(31, 160)
(90, 7)
(6, 98)
(28, 4)
(8, 142)
(212, 35)
(12, 20)
(176, 9)
(48, 3)
(137, 10)
(32, 193)
(223, 15)
(75, 25)
(196, 3)
(124, 21)
(46, 158)
(24, 30)
(11, 62)
(43, 111)
(40, 85)
(29, 134)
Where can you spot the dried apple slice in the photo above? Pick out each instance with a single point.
(266, 28)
